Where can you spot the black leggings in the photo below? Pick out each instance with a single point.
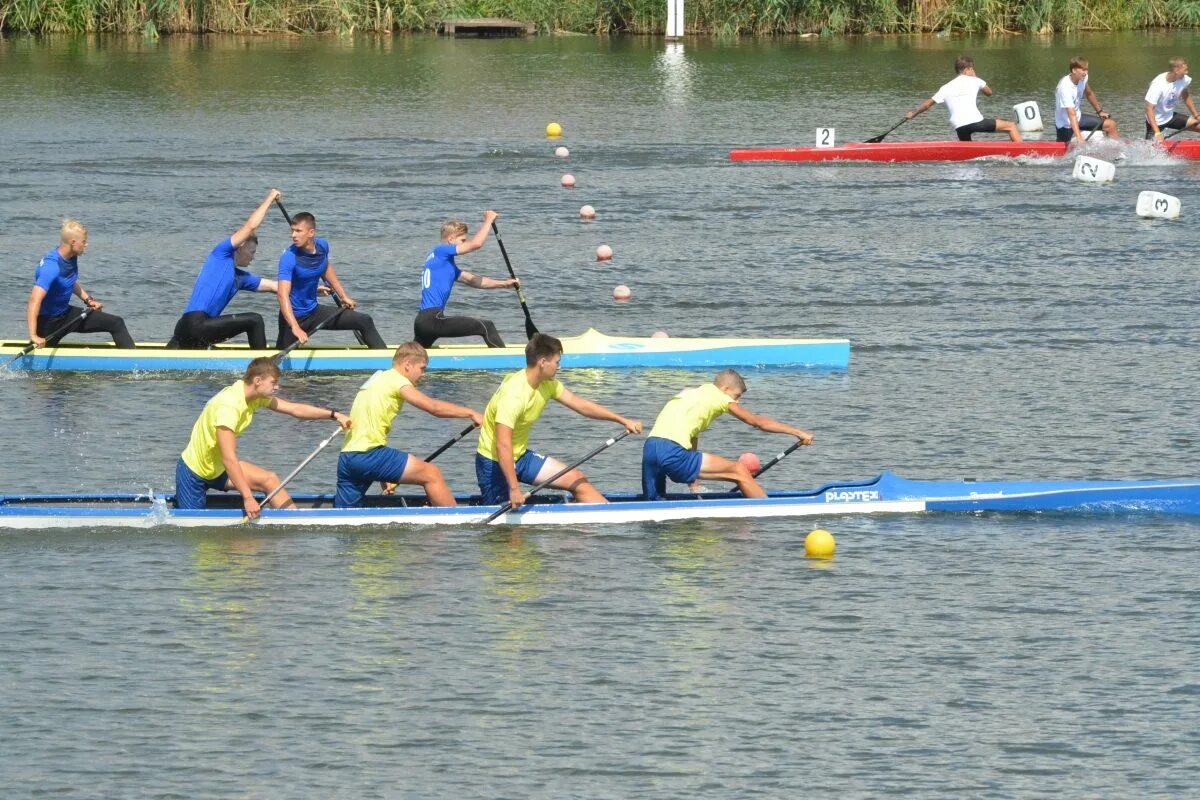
(343, 319)
(432, 324)
(197, 330)
(96, 322)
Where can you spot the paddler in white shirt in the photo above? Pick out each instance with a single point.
(1165, 92)
(959, 96)
(1069, 120)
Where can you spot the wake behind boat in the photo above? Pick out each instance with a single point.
(886, 493)
(590, 349)
(936, 151)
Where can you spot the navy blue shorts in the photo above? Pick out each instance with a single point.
(492, 484)
(662, 459)
(191, 491)
(357, 471)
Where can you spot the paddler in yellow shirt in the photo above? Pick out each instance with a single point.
(503, 459)
(211, 458)
(366, 458)
(672, 450)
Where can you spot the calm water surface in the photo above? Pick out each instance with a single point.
(1006, 322)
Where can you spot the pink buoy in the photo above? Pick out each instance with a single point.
(622, 293)
(660, 335)
(604, 253)
(587, 212)
(562, 152)
(750, 462)
(568, 180)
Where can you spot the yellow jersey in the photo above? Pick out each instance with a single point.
(227, 409)
(375, 406)
(689, 413)
(517, 405)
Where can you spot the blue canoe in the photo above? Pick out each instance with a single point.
(887, 493)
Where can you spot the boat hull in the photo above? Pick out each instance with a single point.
(885, 494)
(931, 151)
(588, 350)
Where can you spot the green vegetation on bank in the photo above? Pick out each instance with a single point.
(723, 17)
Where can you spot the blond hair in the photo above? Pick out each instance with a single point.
(452, 228)
(410, 351)
(262, 367)
(730, 379)
(72, 229)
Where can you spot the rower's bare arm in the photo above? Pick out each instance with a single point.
(1150, 120)
(508, 466)
(593, 410)
(227, 444)
(255, 220)
(921, 109)
(1091, 98)
(267, 285)
(476, 241)
(283, 291)
(86, 297)
(336, 284)
(481, 282)
(305, 411)
(439, 408)
(986, 90)
(768, 425)
(32, 309)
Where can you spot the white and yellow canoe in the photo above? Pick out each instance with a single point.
(590, 349)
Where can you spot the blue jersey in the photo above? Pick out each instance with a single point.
(305, 271)
(57, 275)
(219, 280)
(439, 276)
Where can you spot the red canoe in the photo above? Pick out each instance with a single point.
(931, 151)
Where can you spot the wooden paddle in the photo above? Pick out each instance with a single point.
(337, 300)
(29, 348)
(508, 506)
(880, 137)
(530, 329)
(296, 471)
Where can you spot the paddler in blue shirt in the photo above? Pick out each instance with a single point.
(438, 279)
(301, 268)
(49, 309)
(222, 276)
(366, 458)
(672, 449)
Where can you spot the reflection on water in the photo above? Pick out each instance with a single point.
(225, 595)
(515, 576)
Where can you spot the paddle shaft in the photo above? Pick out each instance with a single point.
(530, 329)
(301, 466)
(337, 300)
(29, 348)
(450, 443)
(796, 444)
(609, 443)
(880, 137)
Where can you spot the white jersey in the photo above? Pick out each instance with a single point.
(1165, 95)
(959, 97)
(1068, 95)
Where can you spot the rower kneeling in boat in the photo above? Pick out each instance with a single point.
(211, 458)
(437, 281)
(672, 449)
(49, 310)
(1164, 94)
(503, 459)
(222, 276)
(366, 458)
(1069, 120)
(301, 267)
(959, 96)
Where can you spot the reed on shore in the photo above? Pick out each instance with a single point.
(720, 17)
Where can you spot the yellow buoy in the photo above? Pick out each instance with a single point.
(554, 129)
(819, 544)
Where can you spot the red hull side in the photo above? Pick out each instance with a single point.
(929, 151)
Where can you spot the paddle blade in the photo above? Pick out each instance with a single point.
(530, 329)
